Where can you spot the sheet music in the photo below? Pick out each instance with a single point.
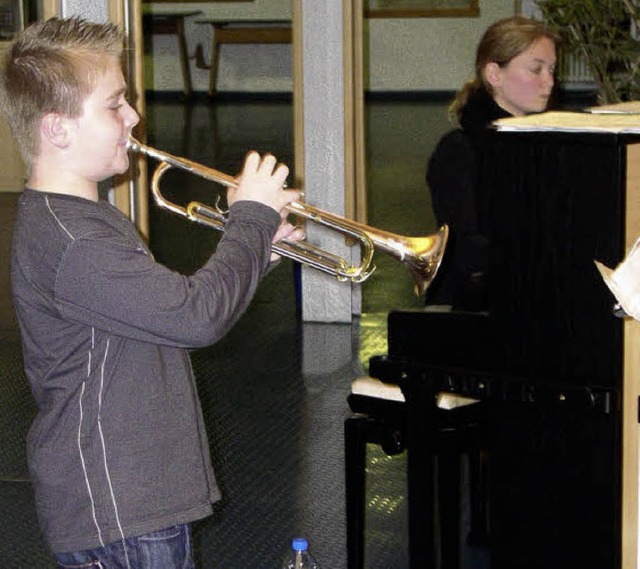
(628, 107)
(624, 281)
(564, 121)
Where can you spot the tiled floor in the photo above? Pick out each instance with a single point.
(274, 390)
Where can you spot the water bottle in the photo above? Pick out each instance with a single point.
(299, 556)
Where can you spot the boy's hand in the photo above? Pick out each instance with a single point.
(289, 232)
(262, 180)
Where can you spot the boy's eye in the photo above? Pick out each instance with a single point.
(117, 105)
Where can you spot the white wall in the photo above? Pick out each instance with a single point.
(427, 54)
(256, 9)
(413, 54)
(95, 10)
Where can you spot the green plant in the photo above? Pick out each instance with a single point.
(604, 33)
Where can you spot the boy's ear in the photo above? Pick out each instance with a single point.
(56, 129)
(492, 74)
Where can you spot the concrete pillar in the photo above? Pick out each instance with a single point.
(323, 298)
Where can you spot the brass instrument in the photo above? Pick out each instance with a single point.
(422, 255)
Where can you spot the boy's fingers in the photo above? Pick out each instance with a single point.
(289, 232)
(267, 164)
(288, 196)
(281, 173)
(298, 234)
(252, 160)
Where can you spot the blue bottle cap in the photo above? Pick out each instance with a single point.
(299, 544)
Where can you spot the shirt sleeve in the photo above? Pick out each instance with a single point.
(113, 283)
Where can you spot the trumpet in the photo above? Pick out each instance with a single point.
(422, 255)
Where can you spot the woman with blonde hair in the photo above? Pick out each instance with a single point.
(514, 76)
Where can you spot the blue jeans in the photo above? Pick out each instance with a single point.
(165, 549)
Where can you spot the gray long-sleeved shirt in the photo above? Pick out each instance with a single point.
(118, 447)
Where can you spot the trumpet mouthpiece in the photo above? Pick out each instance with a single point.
(133, 144)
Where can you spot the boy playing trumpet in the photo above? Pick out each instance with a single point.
(118, 454)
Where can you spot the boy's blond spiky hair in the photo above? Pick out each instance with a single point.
(53, 66)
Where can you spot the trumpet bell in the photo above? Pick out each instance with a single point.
(424, 258)
(421, 255)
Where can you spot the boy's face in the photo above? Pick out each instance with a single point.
(102, 130)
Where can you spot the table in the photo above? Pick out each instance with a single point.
(241, 32)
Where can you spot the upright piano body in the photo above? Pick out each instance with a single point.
(558, 373)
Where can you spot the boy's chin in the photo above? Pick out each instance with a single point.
(121, 168)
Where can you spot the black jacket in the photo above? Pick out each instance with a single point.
(451, 176)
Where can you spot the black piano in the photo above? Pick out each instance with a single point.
(549, 363)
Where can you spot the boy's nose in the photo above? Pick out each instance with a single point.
(132, 118)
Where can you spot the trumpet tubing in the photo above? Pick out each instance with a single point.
(422, 255)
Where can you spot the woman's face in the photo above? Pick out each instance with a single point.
(524, 85)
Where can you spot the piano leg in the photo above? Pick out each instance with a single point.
(479, 492)
(360, 429)
(422, 432)
(355, 446)
(449, 465)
